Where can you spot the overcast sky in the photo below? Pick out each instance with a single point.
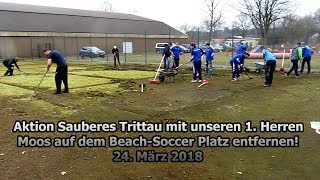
(173, 12)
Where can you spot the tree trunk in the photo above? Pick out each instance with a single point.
(210, 33)
(265, 34)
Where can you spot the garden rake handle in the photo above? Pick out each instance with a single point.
(202, 84)
(41, 81)
(159, 68)
(283, 57)
(116, 59)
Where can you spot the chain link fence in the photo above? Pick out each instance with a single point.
(139, 49)
(133, 48)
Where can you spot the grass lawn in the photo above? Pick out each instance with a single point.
(99, 93)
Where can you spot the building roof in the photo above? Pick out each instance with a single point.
(31, 18)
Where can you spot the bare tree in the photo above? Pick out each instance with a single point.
(214, 17)
(107, 7)
(244, 24)
(287, 29)
(185, 28)
(317, 18)
(317, 15)
(189, 30)
(263, 13)
(292, 28)
(307, 27)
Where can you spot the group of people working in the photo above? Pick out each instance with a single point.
(196, 57)
(301, 52)
(56, 57)
(53, 56)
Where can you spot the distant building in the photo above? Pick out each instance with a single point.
(26, 29)
(218, 41)
(252, 42)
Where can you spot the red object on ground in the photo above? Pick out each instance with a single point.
(154, 81)
(205, 81)
(282, 69)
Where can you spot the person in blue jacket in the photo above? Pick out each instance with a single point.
(209, 59)
(196, 57)
(271, 62)
(306, 53)
(176, 51)
(241, 49)
(235, 62)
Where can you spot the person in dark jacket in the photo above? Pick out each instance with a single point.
(116, 57)
(8, 63)
(61, 71)
(166, 55)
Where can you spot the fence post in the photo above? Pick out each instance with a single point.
(77, 41)
(198, 35)
(91, 46)
(232, 49)
(107, 52)
(273, 35)
(125, 48)
(31, 48)
(169, 34)
(64, 45)
(5, 48)
(53, 46)
(145, 46)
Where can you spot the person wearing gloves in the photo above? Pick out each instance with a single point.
(306, 53)
(209, 59)
(295, 55)
(196, 57)
(271, 61)
(8, 63)
(115, 52)
(241, 49)
(235, 62)
(176, 52)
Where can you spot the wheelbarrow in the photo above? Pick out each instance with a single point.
(260, 66)
(167, 74)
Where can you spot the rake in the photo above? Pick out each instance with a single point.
(35, 92)
(282, 68)
(154, 81)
